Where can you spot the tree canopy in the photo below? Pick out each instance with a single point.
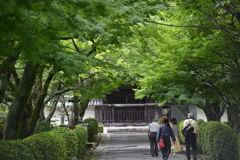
(186, 52)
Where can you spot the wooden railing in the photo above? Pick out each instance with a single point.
(127, 113)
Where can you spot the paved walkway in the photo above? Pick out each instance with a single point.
(127, 146)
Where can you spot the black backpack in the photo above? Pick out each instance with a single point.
(187, 130)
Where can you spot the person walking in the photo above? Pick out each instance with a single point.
(193, 139)
(152, 133)
(176, 147)
(165, 132)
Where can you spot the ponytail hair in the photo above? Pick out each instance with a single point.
(165, 121)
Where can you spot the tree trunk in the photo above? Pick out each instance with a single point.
(19, 103)
(28, 123)
(75, 111)
(213, 111)
(233, 120)
(83, 105)
(62, 118)
(66, 112)
(53, 109)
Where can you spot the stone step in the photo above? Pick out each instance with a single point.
(125, 129)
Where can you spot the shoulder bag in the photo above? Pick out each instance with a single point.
(160, 141)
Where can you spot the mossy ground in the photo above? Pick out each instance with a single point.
(87, 154)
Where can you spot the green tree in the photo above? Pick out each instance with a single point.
(40, 40)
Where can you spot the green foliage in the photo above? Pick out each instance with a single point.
(218, 141)
(46, 145)
(239, 145)
(71, 141)
(200, 120)
(180, 135)
(82, 139)
(100, 128)
(41, 126)
(199, 146)
(2, 124)
(92, 127)
(15, 150)
(62, 125)
(160, 121)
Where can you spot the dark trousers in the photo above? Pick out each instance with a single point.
(166, 150)
(191, 141)
(153, 143)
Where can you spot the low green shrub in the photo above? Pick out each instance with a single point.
(15, 150)
(200, 120)
(2, 124)
(63, 125)
(92, 120)
(100, 128)
(42, 126)
(239, 145)
(82, 139)
(218, 141)
(92, 127)
(180, 135)
(71, 141)
(200, 126)
(46, 145)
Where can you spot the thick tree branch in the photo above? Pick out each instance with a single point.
(193, 26)
(61, 92)
(188, 26)
(76, 47)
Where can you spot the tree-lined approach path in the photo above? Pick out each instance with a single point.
(128, 146)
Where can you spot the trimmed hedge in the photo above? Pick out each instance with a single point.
(180, 135)
(239, 145)
(92, 127)
(58, 144)
(218, 141)
(2, 124)
(71, 141)
(100, 128)
(46, 145)
(82, 139)
(15, 150)
(42, 126)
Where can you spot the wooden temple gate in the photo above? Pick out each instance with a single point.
(127, 113)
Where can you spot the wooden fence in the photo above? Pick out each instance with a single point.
(127, 113)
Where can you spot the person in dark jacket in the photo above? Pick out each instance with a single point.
(164, 132)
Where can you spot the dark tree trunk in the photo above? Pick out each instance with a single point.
(66, 111)
(52, 110)
(31, 118)
(233, 120)
(213, 111)
(62, 118)
(83, 105)
(19, 103)
(75, 111)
